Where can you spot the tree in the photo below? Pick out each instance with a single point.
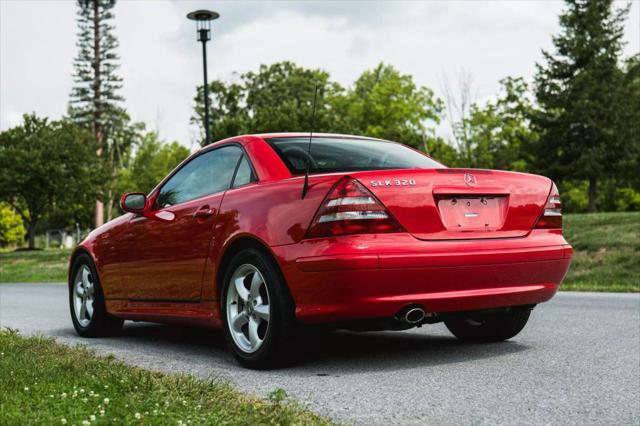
(459, 102)
(46, 166)
(580, 89)
(277, 98)
(500, 132)
(95, 102)
(152, 162)
(386, 104)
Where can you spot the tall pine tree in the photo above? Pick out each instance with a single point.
(95, 102)
(580, 87)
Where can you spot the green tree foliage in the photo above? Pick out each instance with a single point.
(386, 104)
(95, 101)
(46, 166)
(500, 131)
(279, 98)
(152, 162)
(581, 89)
(11, 227)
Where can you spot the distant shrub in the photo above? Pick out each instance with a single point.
(574, 196)
(627, 199)
(11, 228)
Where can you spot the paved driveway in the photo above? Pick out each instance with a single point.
(576, 362)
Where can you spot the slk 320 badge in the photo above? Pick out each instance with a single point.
(394, 182)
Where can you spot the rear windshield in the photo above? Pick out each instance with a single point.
(348, 154)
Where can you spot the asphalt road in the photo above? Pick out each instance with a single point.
(576, 362)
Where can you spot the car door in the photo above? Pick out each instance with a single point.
(167, 253)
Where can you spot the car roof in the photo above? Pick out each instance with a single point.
(244, 139)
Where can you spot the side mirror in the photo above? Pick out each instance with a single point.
(134, 202)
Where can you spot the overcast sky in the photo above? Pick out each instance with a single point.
(161, 60)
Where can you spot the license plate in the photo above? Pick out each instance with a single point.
(472, 214)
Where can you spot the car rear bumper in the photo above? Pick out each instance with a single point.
(358, 277)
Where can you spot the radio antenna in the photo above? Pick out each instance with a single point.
(305, 186)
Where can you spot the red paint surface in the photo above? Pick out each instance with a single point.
(163, 266)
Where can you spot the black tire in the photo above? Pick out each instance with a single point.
(101, 323)
(494, 327)
(276, 349)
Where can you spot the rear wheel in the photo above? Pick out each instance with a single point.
(492, 327)
(86, 301)
(257, 311)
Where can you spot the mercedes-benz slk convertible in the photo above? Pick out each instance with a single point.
(263, 235)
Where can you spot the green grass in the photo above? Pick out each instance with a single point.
(606, 258)
(606, 251)
(34, 266)
(43, 382)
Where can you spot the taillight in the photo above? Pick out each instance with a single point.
(350, 208)
(551, 217)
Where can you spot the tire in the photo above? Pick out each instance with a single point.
(489, 327)
(86, 301)
(257, 312)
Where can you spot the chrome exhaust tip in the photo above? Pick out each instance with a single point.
(413, 315)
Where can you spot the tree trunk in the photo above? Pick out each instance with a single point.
(99, 217)
(593, 193)
(109, 205)
(31, 235)
(97, 106)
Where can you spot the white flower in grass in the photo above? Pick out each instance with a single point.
(101, 412)
(92, 418)
(137, 415)
(63, 421)
(26, 389)
(106, 401)
(63, 395)
(86, 423)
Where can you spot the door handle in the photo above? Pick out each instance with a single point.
(203, 212)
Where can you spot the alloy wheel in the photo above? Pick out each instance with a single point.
(83, 296)
(248, 308)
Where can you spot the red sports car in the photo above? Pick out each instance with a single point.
(263, 234)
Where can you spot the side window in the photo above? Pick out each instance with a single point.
(206, 174)
(244, 175)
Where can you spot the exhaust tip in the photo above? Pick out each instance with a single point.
(413, 316)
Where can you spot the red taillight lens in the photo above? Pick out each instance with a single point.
(551, 217)
(350, 208)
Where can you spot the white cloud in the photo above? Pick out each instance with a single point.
(161, 60)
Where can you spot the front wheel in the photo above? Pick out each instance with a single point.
(494, 327)
(257, 311)
(86, 301)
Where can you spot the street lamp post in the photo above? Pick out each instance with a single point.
(203, 20)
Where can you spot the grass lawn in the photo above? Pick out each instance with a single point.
(34, 266)
(606, 258)
(606, 251)
(42, 382)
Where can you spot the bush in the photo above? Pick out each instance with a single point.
(574, 196)
(627, 199)
(11, 227)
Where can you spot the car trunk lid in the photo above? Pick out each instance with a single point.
(452, 204)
